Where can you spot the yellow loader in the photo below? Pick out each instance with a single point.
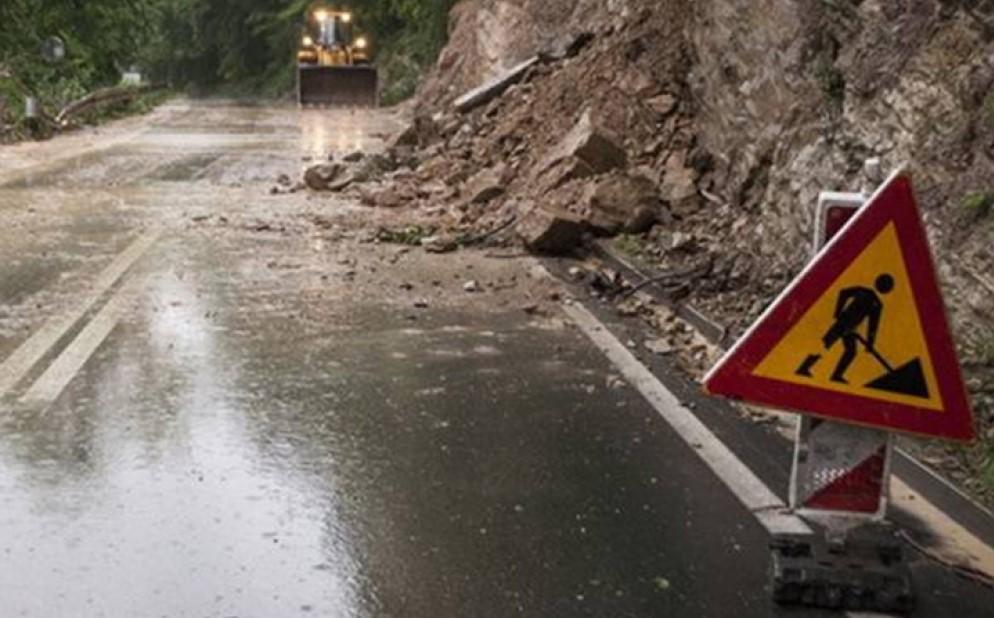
(333, 63)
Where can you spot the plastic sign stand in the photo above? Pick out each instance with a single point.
(840, 480)
(839, 470)
(861, 334)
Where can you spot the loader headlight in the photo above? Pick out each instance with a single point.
(307, 41)
(321, 15)
(361, 43)
(346, 17)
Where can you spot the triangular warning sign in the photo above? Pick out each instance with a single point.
(861, 335)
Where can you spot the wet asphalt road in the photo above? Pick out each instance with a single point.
(260, 422)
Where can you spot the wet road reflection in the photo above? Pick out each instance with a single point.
(321, 133)
(240, 449)
(270, 432)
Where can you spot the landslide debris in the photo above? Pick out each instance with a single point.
(700, 136)
(563, 145)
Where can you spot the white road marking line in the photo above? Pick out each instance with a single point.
(21, 361)
(768, 509)
(64, 368)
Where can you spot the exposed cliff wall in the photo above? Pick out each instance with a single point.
(798, 93)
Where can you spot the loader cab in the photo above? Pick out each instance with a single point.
(329, 39)
(331, 28)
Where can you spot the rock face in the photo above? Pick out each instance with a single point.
(907, 83)
(489, 37)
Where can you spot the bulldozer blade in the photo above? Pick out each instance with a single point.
(325, 86)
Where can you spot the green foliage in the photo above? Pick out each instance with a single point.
(227, 46)
(832, 81)
(101, 37)
(410, 35)
(409, 235)
(979, 205)
(249, 46)
(985, 352)
(631, 245)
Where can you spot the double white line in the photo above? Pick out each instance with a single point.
(20, 363)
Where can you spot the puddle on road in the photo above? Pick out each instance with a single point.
(184, 168)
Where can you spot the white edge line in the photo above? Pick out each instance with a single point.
(765, 506)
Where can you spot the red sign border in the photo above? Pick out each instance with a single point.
(894, 202)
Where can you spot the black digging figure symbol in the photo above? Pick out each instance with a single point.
(855, 307)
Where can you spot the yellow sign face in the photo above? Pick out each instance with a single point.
(864, 336)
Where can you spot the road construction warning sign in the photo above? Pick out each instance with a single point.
(861, 335)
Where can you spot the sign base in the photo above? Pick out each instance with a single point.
(864, 573)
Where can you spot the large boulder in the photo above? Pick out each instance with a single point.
(486, 185)
(595, 147)
(679, 189)
(324, 176)
(623, 203)
(420, 133)
(550, 231)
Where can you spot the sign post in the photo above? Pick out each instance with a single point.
(860, 342)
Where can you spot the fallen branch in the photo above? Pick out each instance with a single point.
(678, 278)
(96, 98)
(479, 238)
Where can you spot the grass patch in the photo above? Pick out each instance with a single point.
(983, 352)
(987, 112)
(832, 83)
(408, 235)
(978, 204)
(631, 245)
